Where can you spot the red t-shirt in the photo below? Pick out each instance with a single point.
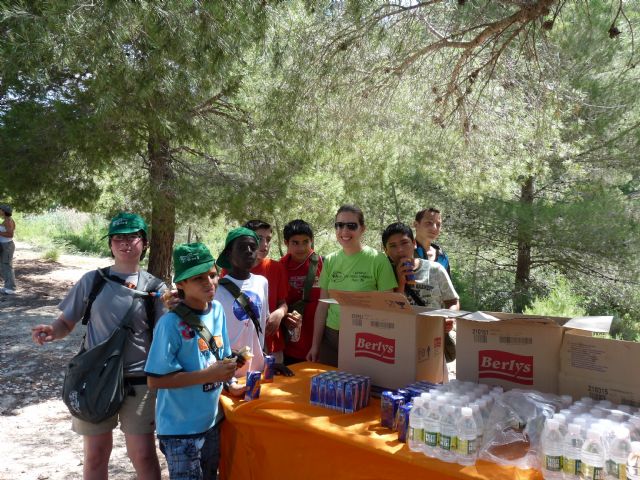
(278, 290)
(297, 273)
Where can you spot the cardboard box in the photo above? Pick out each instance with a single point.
(600, 368)
(384, 337)
(515, 350)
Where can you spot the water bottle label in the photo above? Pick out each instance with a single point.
(431, 439)
(467, 447)
(617, 470)
(416, 434)
(445, 442)
(553, 463)
(592, 473)
(571, 466)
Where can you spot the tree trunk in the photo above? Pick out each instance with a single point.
(163, 210)
(524, 232)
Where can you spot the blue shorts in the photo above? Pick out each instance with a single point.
(193, 458)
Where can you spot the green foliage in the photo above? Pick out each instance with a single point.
(560, 302)
(52, 255)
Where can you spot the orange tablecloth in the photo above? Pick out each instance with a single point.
(282, 436)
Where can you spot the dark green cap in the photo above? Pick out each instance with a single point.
(125, 222)
(191, 259)
(223, 259)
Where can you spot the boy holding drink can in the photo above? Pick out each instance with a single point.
(424, 282)
(188, 363)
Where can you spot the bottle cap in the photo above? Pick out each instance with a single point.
(552, 423)
(574, 428)
(466, 412)
(622, 432)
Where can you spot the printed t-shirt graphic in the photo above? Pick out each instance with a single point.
(239, 325)
(365, 271)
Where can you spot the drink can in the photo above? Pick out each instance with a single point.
(410, 276)
(386, 409)
(351, 394)
(403, 422)
(313, 396)
(269, 368)
(399, 402)
(339, 383)
(330, 400)
(322, 391)
(253, 385)
(405, 393)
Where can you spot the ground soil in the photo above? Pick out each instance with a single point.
(36, 442)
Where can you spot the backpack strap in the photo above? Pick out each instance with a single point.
(311, 276)
(150, 284)
(242, 299)
(99, 279)
(189, 317)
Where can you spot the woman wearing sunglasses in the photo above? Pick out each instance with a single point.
(355, 268)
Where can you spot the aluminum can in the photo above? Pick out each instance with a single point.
(403, 422)
(269, 369)
(253, 385)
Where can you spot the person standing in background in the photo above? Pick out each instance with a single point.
(428, 225)
(7, 248)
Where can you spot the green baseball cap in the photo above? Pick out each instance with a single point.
(191, 259)
(223, 259)
(125, 222)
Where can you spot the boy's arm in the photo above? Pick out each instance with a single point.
(217, 372)
(60, 328)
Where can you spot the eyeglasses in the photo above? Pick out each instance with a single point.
(349, 225)
(126, 237)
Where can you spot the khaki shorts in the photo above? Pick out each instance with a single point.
(136, 416)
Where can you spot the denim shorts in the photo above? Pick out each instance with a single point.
(193, 458)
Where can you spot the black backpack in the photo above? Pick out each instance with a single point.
(94, 386)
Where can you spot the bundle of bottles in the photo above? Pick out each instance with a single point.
(446, 422)
(592, 440)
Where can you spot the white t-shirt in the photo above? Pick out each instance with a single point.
(4, 239)
(433, 285)
(239, 325)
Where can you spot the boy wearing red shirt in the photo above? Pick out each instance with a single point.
(278, 288)
(300, 258)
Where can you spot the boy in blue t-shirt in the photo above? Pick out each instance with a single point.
(188, 371)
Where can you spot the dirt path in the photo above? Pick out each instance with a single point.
(36, 442)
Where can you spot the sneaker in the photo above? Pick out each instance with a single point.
(7, 291)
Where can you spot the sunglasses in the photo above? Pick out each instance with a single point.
(349, 225)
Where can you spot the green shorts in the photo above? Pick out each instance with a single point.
(136, 416)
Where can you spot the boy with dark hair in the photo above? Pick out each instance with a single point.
(278, 288)
(428, 224)
(303, 267)
(424, 282)
(187, 363)
(244, 296)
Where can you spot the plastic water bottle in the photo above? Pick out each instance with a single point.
(633, 462)
(416, 428)
(467, 433)
(551, 446)
(618, 454)
(432, 429)
(571, 452)
(634, 429)
(477, 416)
(448, 435)
(592, 457)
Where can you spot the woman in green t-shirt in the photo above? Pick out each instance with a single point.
(355, 268)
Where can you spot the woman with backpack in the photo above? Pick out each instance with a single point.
(102, 299)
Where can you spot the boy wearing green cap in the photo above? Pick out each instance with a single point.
(104, 309)
(188, 365)
(238, 258)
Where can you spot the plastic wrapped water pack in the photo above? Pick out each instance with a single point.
(512, 433)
